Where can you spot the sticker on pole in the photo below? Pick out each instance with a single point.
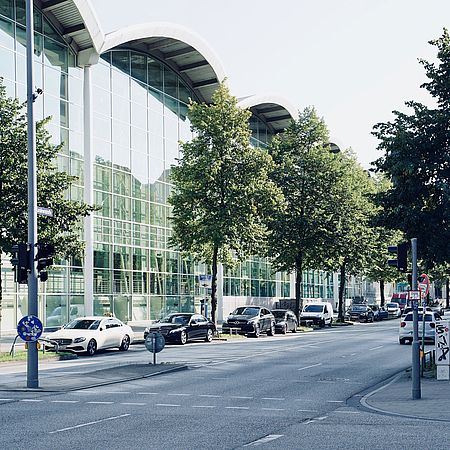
(29, 328)
(154, 342)
(205, 281)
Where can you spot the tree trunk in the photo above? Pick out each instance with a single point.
(214, 284)
(341, 294)
(382, 292)
(298, 285)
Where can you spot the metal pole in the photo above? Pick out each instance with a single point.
(154, 347)
(32, 355)
(416, 392)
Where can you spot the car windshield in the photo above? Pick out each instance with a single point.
(245, 311)
(313, 308)
(279, 314)
(181, 319)
(83, 324)
(392, 305)
(359, 308)
(428, 317)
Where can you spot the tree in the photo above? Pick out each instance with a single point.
(222, 194)
(417, 161)
(306, 173)
(63, 230)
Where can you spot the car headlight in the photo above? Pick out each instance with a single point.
(80, 339)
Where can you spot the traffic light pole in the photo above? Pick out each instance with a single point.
(32, 355)
(416, 391)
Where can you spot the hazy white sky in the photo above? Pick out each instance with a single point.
(354, 60)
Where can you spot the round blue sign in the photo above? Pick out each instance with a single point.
(155, 342)
(29, 328)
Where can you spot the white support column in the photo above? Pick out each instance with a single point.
(336, 290)
(219, 316)
(88, 194)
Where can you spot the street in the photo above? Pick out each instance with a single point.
(294, 391)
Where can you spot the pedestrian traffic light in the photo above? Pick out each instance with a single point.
(44, 259)
(21, 262)
(401, 262)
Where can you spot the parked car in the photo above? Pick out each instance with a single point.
(183, 327)
(89, 334)
(379, 312)
(408, 309)
(405, 333)
(250, 320)
(319, 313)
(361, 313)
(393, 309)
(285, 320)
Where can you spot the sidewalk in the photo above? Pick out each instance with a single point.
(395, 398)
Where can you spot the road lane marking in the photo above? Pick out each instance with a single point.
(65, 401)
(307, 410)
(273, 409)
(30, 400)
(335, 401)
(167, 404)
(309, 367)
(180, 395)
(147, 393)
(264, 440)
(237, 407)
(352, 354)
(241, 397)
(133, 404)
(100, 403)
(116, 392)
(315, 419)
(202, 406)
(273, 398)
(210, 396)
(347, 412)
(376, 348)
(89, 423)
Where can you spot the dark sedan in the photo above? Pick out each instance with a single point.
(250, 320)
(183, 327)
(379, 313)
(361, 313)
(285, 321)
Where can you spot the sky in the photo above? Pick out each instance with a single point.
(355, 61)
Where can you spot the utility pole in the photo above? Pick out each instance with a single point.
(416, 391)
(32, 355)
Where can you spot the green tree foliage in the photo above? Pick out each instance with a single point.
(416, 159)
(64, 228)
(223, 195)
(306, 173)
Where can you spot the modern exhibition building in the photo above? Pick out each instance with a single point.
(118, 103)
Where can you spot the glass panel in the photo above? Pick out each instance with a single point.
(155, 74)
(6, 8)
(139, 67)
(121, 60)
(140, 308)
(6, 63)
(55, 54)
(6, 33)
(170, 83)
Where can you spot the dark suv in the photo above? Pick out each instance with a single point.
(250, 320)
(360, 312)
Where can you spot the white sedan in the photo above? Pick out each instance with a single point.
(89, 334)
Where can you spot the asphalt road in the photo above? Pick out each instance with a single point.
(292, 392)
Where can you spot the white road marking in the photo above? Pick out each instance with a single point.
(273, 409)
(242, 397)
(264, 440)
(147, 393)
(65, 401)
(203, 406)
(237, 407)
(347, 412)
(376, 348)
(307, 410)
(315, 419)
(352, 354)
(180, 395)
(5, 399)
(272, 398)
(335, 401)
(167, 404)
(116, 392)
(309, 367)
(89, 423)
(100, 403)
(133, 404)
(30, 400)
(210, 396)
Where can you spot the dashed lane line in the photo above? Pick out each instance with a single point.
(89, 423)
(264, 440)
(309, 367)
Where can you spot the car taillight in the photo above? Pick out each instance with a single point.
(402, 324)
(432, 325)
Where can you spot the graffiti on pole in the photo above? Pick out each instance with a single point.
(442, 343)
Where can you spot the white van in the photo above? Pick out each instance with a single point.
(320, 313)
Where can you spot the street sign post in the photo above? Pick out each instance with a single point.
(29, 328)
(154, 343)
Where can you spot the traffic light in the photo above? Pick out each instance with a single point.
(44, 259)
(401, 262)
(21, 262)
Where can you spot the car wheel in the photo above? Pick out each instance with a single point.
(125, 345)
(271, 330)
(183, 337)
(257, 331)
(322, 323)
(209, 335)
(91, 347)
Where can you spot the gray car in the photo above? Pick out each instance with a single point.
(405, 332)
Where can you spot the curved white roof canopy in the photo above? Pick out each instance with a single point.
(275, 111)
(185, 52)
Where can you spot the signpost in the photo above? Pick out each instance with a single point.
(154, 343)
(206, 282)
(29, 328)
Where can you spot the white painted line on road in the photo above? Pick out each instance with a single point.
(335, 401)
(273, 409)
(65, 401)
(315, 419)
(309, 367)
(100, 403)
(167, 404)
(237, 407)
(5, 399)
(352, 354)
(203, 406)
(210, 396)
(376, 348)
(307, 410)
(242, 397)
(89, 423)
(273, 398)
(219, 378)
(133, 404)
(347, 412)
(29, 400)
(116, 392)
(147, 393)
(180, 395)
(264, 440)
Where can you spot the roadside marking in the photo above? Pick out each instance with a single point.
(133, 404)
(180, 395)
(264, 440)
(89, 423)
(273, 409)
(335, 401)
(242, 397)
(347, 412)
(65, 401)
(376, 348)
(352, 354)
(100, 403)
(5, 399)
(315, 419)
(273, 398)
(202, 406)
(210, 396)
(307, 410)
(309, 367)
(116, 392)
(147, 393)
(30, 400)
(237, 407)
(167, 404)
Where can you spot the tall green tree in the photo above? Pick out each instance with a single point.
(63, 230)
(306, 173)
(416, 159)
(223, 195)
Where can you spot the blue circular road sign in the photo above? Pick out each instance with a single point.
(155, 342)
(29, 328)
